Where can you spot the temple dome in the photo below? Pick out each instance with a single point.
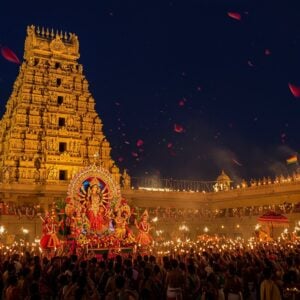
(223, 178)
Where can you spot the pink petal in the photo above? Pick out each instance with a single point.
(234, 15)
(178, 128)
(237, 163)
(267, 52)
(9, 55)
(250, 64)
(295, 90)
(139, 143)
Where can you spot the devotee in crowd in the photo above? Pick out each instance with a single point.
(215, 269)
(268, 288)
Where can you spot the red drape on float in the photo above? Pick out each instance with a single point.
(272, 219)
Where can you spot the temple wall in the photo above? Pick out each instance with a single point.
(276, 194)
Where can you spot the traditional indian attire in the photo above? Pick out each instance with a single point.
(269, 290)
(144, 238)
(49, 238)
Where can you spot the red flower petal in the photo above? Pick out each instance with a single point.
(234, 15)
(134, 154)
(170, 145)
(295, 90)
(178, 128)
(139, 143)
(182, 102)
(9, 55)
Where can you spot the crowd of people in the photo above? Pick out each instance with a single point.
(167, 213)
(20, 211)
(179, 214)
(201, 270)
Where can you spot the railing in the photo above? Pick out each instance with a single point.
(158, 184)
(169, 184)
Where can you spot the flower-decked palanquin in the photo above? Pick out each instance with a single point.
(95, 215)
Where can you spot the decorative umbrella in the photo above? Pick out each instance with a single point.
(272, 219)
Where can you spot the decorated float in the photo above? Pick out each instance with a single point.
(94, 216)
(267, 222)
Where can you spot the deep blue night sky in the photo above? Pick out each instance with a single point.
(144, 59)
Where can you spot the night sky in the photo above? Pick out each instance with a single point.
(154, 64)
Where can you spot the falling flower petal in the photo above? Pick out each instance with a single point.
(134, 154)
(234, 15)
(250, 64)
(267, 52)
(178, 128)
(126, 142)
(139, 143)
(170, 145)
(237, 163)
(9, 55)
(295, 90)
(182, 102)
(120, 159)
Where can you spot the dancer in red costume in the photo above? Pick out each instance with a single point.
(144, 238)
(49, 238)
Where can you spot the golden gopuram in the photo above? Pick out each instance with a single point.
(51, 130)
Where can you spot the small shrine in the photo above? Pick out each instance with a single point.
(223, 182)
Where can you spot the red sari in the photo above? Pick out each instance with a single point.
(49, 238)
(144, 238)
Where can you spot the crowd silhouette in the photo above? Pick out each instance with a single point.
(266, 271)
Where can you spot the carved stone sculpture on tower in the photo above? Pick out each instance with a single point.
(126, 180)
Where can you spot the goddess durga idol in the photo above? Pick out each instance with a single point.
(96, 207)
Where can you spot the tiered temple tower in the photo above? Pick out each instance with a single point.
(50, 129)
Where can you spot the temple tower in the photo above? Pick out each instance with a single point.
(50, 129)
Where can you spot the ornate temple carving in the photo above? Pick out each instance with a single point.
(50, 129)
